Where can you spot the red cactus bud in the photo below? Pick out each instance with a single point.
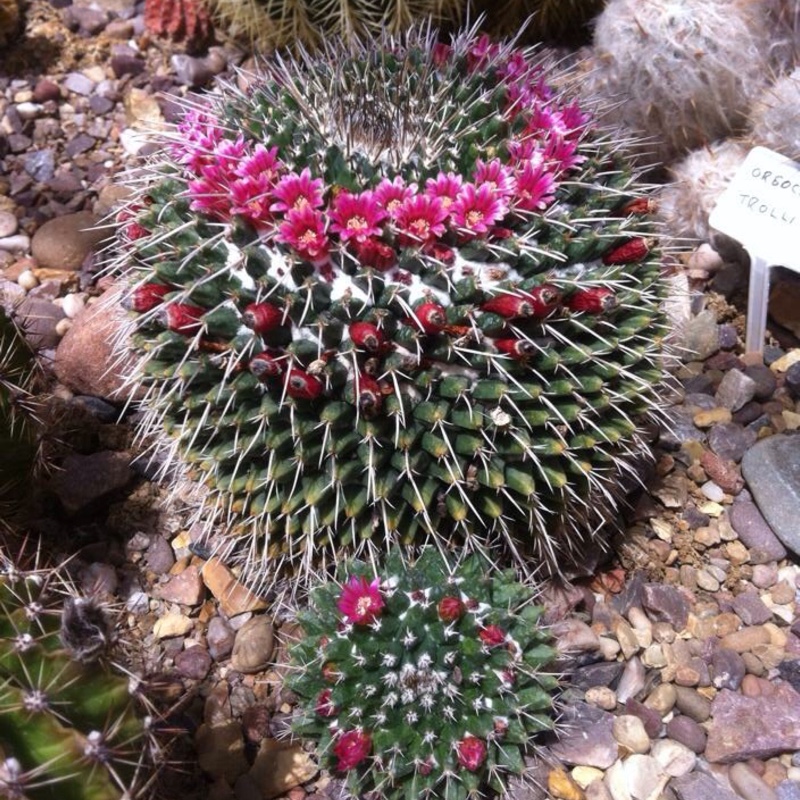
(302, 386)
(516, 348)
(264, 366)
(324, 707)
(146, 297)
(368, 393)
(375, 254)
(330, 672)
(628, 253)
(639, 205)
(450, 609)
(425, 767)
(182, 317)
(262, 317)
(471, 753)
(430, 317)
(539, 302)
(597, 300)
(492, 635)
(367, 335)
(440, 252)
(351, 748)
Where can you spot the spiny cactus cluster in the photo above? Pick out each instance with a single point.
(428, 681)
(19, 424)
(69, 727)
(395, 292)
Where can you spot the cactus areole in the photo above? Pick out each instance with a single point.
(396, 291)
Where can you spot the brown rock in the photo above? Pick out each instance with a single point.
(234, 598)
(185, 588)
(85, 479)
(746, 639)
(220, 750)
(64, 242)
(255, 642)
(280, 767)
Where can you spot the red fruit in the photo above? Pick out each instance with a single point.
(330, 673)
(450, 609)
(430, 317)
(492, 635)
(539, 302)
(516, 348)
(264, 367)
(146, 297)
(440, 252)
(368, 394)
(629, 252)
(471, 753)
(351, 748)
(367, 335)
(182, 317)
(302, 386)
(639, 205)
(262, 317)
(597, 300)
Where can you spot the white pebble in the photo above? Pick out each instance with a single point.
(27, 280)
(19, 243)
(712, 492)
(29, 110)
(63, 325)
(73, 304)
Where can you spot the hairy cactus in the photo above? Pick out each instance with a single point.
(395, 293)
(69, 728)
(270, 24)
(775, 117)
(682, 72)
(429, 681)
(19, 425)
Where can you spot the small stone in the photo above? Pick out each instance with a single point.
(64, 242)
(713, 416)
(220, 750)
(278, 767)
(172, 625)
(561, 785)
(8, 224)
(86, 479)
(735, 389)
(599, 674)
(783, 593)
(746, 639)
(764, 379)
(706, 581)
(18, 243)
(792, 380)
(727, 669)
(650, 718)
(700, 786)
(673, 757)
(665, 604)
(219, 638)
(234, 598)
(575, 636)
(662, 699)
(584, 776)
(586, 739)
(765, 575)
(27, 280)
(191, 71)
(748, 784)
(701, 336)
(755, 532)
(193, 663)
(632, 680)
(602, 697)
(712, 491)
(253, 647)
(731, 441)
(687, 732)
(46, 90)
(691, 703)
(39, 319)
(73, 304)
(672, 491)
(750, 608)
(723, 472)
(644, 777)
(78, 84)
(40, 164)
(186, 588)
(785, 361)
(159, 556)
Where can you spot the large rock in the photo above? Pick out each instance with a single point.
(587, 738)
(772, 471)
(64, 242)
(84, 479)
(753, 727)
(699, 786)
(87, 359)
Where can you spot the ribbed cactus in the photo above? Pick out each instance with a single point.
(19, 425)
(69, 727)
(427, 681)
(395, 292)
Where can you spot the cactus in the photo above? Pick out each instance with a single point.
(19, 424)
(395, 293)
(682, 72)
(186, 20)
(10, 21)
(271, 24)
(429, 681)
(775, 117)
(69, 727)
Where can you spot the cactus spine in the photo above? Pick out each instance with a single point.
(397, 291)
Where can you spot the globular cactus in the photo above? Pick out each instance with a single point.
(20, 428)
(181, 20)
(10, 21)
(428, 681)
(682, 72)
(396, 292)
(775, 117)
(69, 727)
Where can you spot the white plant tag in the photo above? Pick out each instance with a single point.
(761, 209)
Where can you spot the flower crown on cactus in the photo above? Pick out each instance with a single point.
(396, 291)
(428, 682)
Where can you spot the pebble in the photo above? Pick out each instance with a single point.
(602, 697)
(755, 532)
(234, 598)
(172, 624)
(632, 680)
(193, 662)
(64, 242)
(748, 784)
(630, 734)
(253, 646)
(159, 556)
(586, 738)
(186, 588)
(731, 441)
(219, 638)
(700, 786)
(735, 389)
(713, 416)
(662, 699)
(86, 479)
(674, 758)
(280, 766)
(701, 336)
(16, 243)
(220, 750)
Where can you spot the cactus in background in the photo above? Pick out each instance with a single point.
(396, 292)
(186, 20)
(69, 728)
(19, 426)
(10, 21)
(775, 117)
(682, 72)
(271, 24)
(429, 681)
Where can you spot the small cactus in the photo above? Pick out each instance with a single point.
(429, 681)
(395, 292)
(775, 116)
(69, 726)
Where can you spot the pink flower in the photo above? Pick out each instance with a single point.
(261, 163)
(535, 187)
(492, 636)
(294, 192)
(356, 216)
(374, 253)
(250, 198)
(324, 707)
(496, 176)
(390, 195)
(562, 153)
(361, 602)
(199, 133)
(210, 191)
(351, 748)
(304, 231)
(445, 186)
(481, 52)
(575, 120)
(471, 753)
(441, 53)
(420, 219)
(477, 209)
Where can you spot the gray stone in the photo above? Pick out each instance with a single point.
(748, 784)
(750, 609)
(40, 165)
(678, 429)
(632, 680)
(191, 71)
(220, 638)
(159, 556)
(735, 389)
(699, 786)
(772, 470)
(788, 790)
(753, 727)
(731, 441)
(666, 604)
(701, 336)
(692, 704)
(38, 319)
(586, 738)
(687, 732)
(755, 532)
(86, 479)
(78, 83)
(727, 669)
(765, 380)
(8, 224)
(194, 663)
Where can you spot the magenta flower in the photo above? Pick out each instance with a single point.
(210, 197)
(294, 192)
(446, 186)
(249, 198)
(390, 195)
(261, 163)
(535, 187)
(210, 191)
(495, 175)
(420, 219)
(355, 217)
(199, 133)
(304, 231)
(471, 753)
(351, 748)
(361, 602)
(562, 153)
(477, 210)
(481, 52)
